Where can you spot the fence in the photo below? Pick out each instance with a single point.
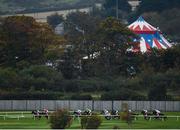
(25, 105)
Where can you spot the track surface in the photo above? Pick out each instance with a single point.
(25, 120)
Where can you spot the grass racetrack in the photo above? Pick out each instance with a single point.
(24, 120)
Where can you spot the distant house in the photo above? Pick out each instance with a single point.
(59, 29)
(134, 4)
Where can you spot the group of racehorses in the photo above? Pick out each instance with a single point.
(40, 113)
(156, 114)
(114, 114)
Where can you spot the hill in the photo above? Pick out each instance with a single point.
(26, 6)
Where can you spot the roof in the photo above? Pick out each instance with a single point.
(141, 26)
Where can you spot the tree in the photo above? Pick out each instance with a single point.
(9, 79)
(113, 38)
(60, 119)
(106, 40)
(110, 7)
(69, 65)
(167, 23)
(91, 122)
(122, 4)
(158, 93)
(23, 39)
(157, 5)
(55, 19)
(80, 34)
(40, 78)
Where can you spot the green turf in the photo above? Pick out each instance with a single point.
(28, 122)
(138, 124)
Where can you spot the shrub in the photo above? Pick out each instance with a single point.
(84, 120)
(60, 119)
(91, 122)
(158, 93)
(122, 94)
(81, 97)
(30, 95)
(126, 116)
(41, 78)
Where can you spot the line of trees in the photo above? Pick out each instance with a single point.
(89, 58)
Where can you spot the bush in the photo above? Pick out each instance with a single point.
(9, 79)
(84, 121)
(122, 94)
(158, 93)
(91, 122)
(60, 119)
(41, 78)
(81, 97)
(30, 95)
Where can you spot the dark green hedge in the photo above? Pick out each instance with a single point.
(31, 96)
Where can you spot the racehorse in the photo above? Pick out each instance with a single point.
(77, 113)
(115, 114)
(106, 114)
(38, 114)
(146, 114)
(158, 115)
(87, 112)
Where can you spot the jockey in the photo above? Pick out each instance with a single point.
(88, 111)
(145, 113)
(38, 113)
(157, 112)
(129, 111)
(46, 112)
(106, 112)
(77, 113)
(115, 112)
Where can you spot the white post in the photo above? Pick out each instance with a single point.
(22, 114)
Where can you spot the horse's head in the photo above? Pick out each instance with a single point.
(102, 112)
(114, 112)
(78, 112)
(34, 112)
(143, 112)
(154, 112)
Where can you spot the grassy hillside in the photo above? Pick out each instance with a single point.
(21, 6)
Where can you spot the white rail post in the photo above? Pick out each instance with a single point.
(22, 115)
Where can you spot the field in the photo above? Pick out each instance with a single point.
(24, 120)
